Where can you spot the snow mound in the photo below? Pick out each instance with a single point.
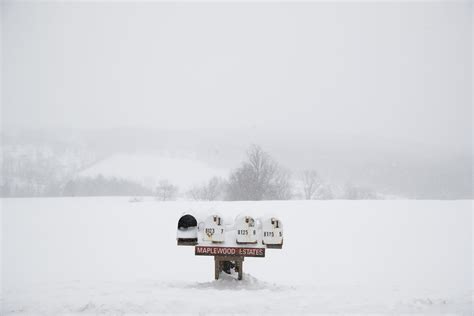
(230, 282)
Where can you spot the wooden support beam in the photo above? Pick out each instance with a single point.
(240, 265)
(217, 269)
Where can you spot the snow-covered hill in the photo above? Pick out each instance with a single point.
(148, 169)
(108, 256)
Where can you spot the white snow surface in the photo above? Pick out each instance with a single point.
(65, 256)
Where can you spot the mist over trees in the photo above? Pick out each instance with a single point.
(101, 186)
(315, 188)
(211, 191)
(259, 178)
(40, 162)
(37, 168)
(166, 191)
(52, 171)
(311, 183)
(354, 192)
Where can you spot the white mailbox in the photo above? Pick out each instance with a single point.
(246, 232)
(214, 230)
(187, 233)
(272, 232)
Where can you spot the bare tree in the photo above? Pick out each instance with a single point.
(312, 183)
(166, 191)
(210, 191)
(213, 190)
(353, 192)
(195, 193)
(258, 178)
(242, 185)
(281, 187)
(325, 193)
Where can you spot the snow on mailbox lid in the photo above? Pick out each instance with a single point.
(272, 232)
(246, 230)
(214, 230)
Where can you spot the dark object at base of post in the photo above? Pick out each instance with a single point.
(222, 263)
(227, 266)
(187, 241)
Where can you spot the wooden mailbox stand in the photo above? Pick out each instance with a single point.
(246, 240)
(233, 254)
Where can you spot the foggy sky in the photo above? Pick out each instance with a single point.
(394, 70)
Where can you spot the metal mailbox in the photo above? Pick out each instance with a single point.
(187, 232)
(246, 232)
(214, 230)
(272, 232)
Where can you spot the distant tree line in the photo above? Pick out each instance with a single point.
(258, 177)
(212, 190)
(102, 186)
(165, 191)
(40, 170)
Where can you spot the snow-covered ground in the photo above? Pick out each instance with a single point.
(110, 256)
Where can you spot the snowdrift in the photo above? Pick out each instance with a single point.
(110, 256)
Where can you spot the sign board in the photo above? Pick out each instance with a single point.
(229, 251)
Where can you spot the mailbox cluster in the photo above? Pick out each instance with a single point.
(230, 243)
(245, 231)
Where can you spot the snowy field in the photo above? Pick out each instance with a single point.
(109, 256)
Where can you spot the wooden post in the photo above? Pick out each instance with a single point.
(217, 268)
(240, 266)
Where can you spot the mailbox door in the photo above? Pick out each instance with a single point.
(246, 234)
(272, 232)
(272, 236)
(187, 236)
(187, 232)
(213, 232)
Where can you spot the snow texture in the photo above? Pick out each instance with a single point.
(109, 256)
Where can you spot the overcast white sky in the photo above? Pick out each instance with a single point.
(400, 70)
